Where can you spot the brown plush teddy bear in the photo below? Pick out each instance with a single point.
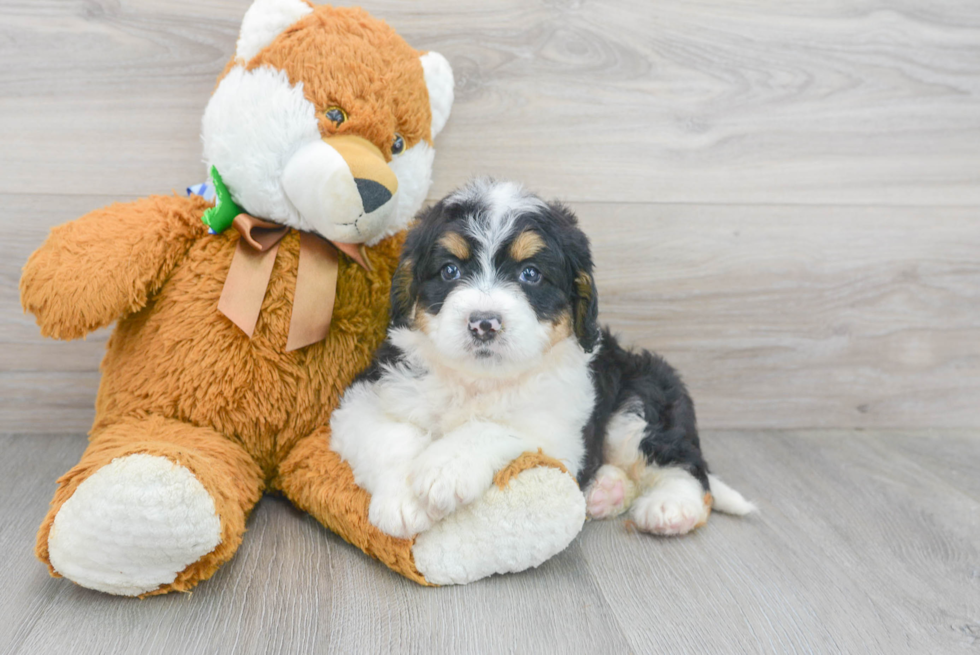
(232, 346)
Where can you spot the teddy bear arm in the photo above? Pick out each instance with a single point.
(316, 480)
(532, 512)
(106, 264)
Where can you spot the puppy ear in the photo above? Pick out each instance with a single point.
(586, 310)
(578, 253)
(402, 283)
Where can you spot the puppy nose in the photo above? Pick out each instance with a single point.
(484, 326)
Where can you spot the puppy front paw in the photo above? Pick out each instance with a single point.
(398, 513)
(444, 479)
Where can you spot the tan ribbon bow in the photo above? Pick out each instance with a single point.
(316, 279)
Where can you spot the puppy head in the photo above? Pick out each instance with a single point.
(492, 277)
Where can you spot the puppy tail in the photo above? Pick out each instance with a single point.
(727, 500)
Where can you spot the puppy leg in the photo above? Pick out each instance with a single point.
(673, 502)
(459, 468)
(380, 452)
(674, 480)
(661, 463)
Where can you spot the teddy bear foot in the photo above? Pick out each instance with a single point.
(513, 527)
(133, 526)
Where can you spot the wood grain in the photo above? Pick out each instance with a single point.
(865, 543)
(803, 317)
(858, 548)
(874, 102)
(777, 316)
(783, 199)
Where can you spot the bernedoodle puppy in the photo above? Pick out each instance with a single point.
(494, 349)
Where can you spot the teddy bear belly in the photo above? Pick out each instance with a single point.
(181, 358)
(162, 363)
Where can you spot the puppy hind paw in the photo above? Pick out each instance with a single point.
(665, 512)
(610, 493)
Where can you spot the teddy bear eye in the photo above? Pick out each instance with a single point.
(336, 115)
(397, 145)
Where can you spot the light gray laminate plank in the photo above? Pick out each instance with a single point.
(29, 467)
(951, 456)
(861, 545)
(777, 316)
(856, 549)
(873, 102)
(45, 385)
(801, 317)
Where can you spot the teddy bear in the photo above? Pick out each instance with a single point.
(240, 322)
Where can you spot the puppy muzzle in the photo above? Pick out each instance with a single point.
(342, 187)
(484, 326)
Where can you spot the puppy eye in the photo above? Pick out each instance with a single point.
(397, 145)
(450, 272)
(530, 275)
(336, 115)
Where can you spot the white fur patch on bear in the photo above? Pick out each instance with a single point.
(133, 526)
(440, 83)
(504, 531)
(413, 168)
(254, 123)
(264, 21)
(318, 182)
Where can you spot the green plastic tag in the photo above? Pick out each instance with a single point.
(220, 217)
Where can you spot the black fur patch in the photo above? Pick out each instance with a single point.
(623, 377)
(564, 262)
(386, 355)
(421, 260)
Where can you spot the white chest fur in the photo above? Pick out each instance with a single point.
(427, 438)
(546, 407)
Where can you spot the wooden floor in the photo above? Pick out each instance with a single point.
(867, 542)
(784, 199)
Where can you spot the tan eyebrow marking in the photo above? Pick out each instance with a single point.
(455, 244)
(526, 245)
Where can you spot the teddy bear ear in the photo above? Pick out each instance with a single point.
(264, 21)
(439, 81)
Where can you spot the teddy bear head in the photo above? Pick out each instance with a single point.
(324, 119)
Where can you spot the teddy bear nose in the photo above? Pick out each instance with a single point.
(373, 194)
(342, 187)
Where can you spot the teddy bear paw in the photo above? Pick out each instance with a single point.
(133, 525)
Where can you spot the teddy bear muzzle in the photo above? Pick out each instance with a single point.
(342, 187)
